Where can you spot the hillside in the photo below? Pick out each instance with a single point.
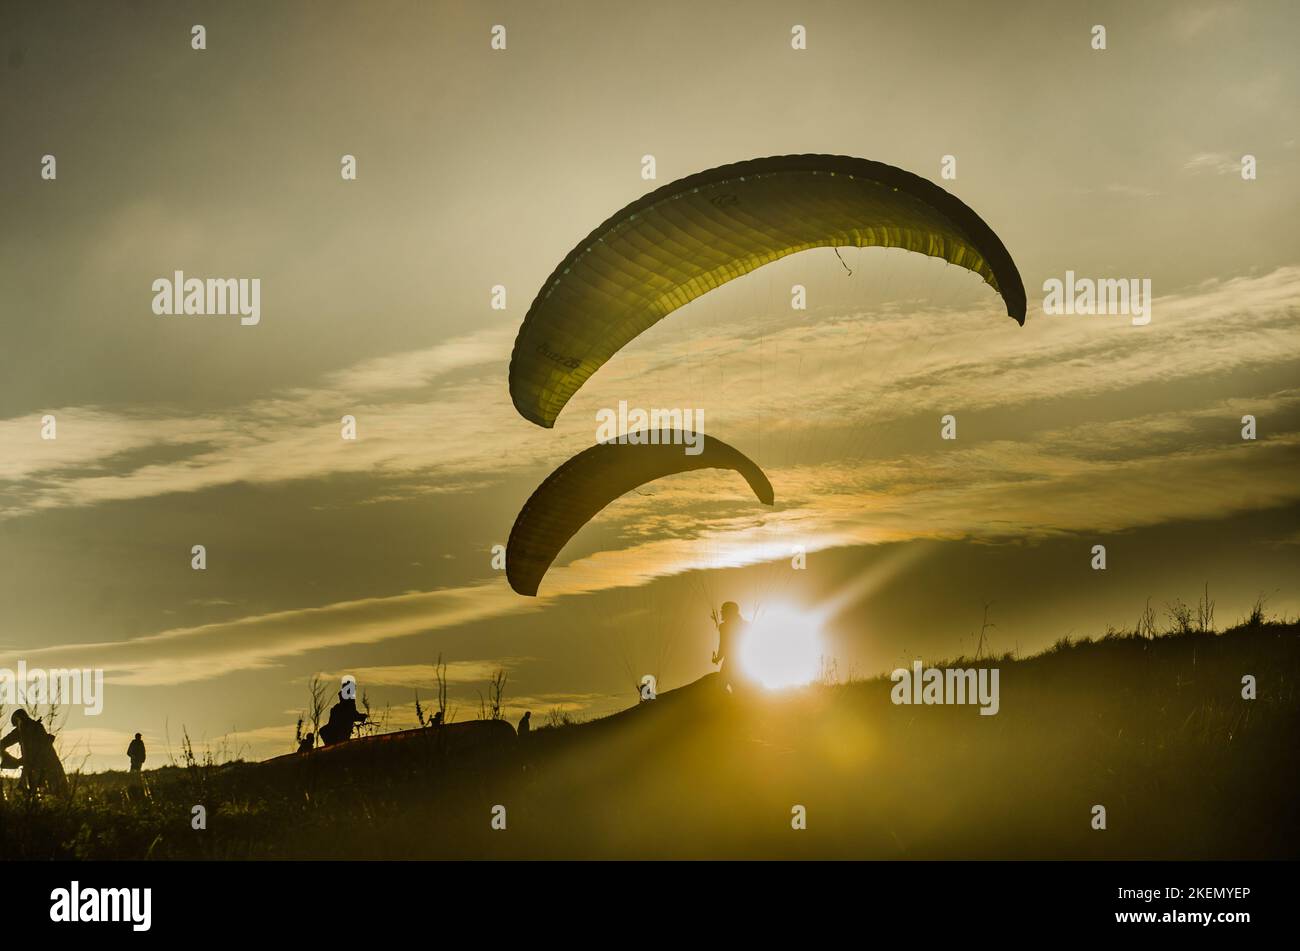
(1154, 729)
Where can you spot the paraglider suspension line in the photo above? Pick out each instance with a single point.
(846, 267)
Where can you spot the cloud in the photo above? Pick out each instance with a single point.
(1000, 489)
(1220, 163)
(419, 676)
(1190, 22)
(444, 412)
(80, 746)
(437, 428)
(188, 654)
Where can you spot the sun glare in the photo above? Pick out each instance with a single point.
(782, 648)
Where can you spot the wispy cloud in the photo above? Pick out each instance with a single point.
(1192, 21)
(444, 412)
(425, 675)
(1220, 163)
(184, 655)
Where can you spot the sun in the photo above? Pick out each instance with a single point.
(783, 648)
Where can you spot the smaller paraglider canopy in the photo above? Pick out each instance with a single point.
(573, 494)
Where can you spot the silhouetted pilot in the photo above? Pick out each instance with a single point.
(731, 631)
(135, 753)
(343, 716)
(307, 743)
(525, 723)
(40, 764)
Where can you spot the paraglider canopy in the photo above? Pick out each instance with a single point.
(683, 240)
(575, 492)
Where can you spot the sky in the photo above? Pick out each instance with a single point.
(480, 167)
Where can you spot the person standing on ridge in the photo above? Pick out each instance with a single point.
(135, 753)
(731, 632)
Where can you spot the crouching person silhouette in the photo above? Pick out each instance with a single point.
(343, 715)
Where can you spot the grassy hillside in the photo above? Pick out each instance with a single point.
(1154, 729)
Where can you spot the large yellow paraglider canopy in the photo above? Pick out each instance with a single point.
(686, 238)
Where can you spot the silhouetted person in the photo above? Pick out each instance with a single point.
(525, 723)
(135, 753)
(343, 716)
(437, 719)
(40, 763)
(731, 631)
(307, 743)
